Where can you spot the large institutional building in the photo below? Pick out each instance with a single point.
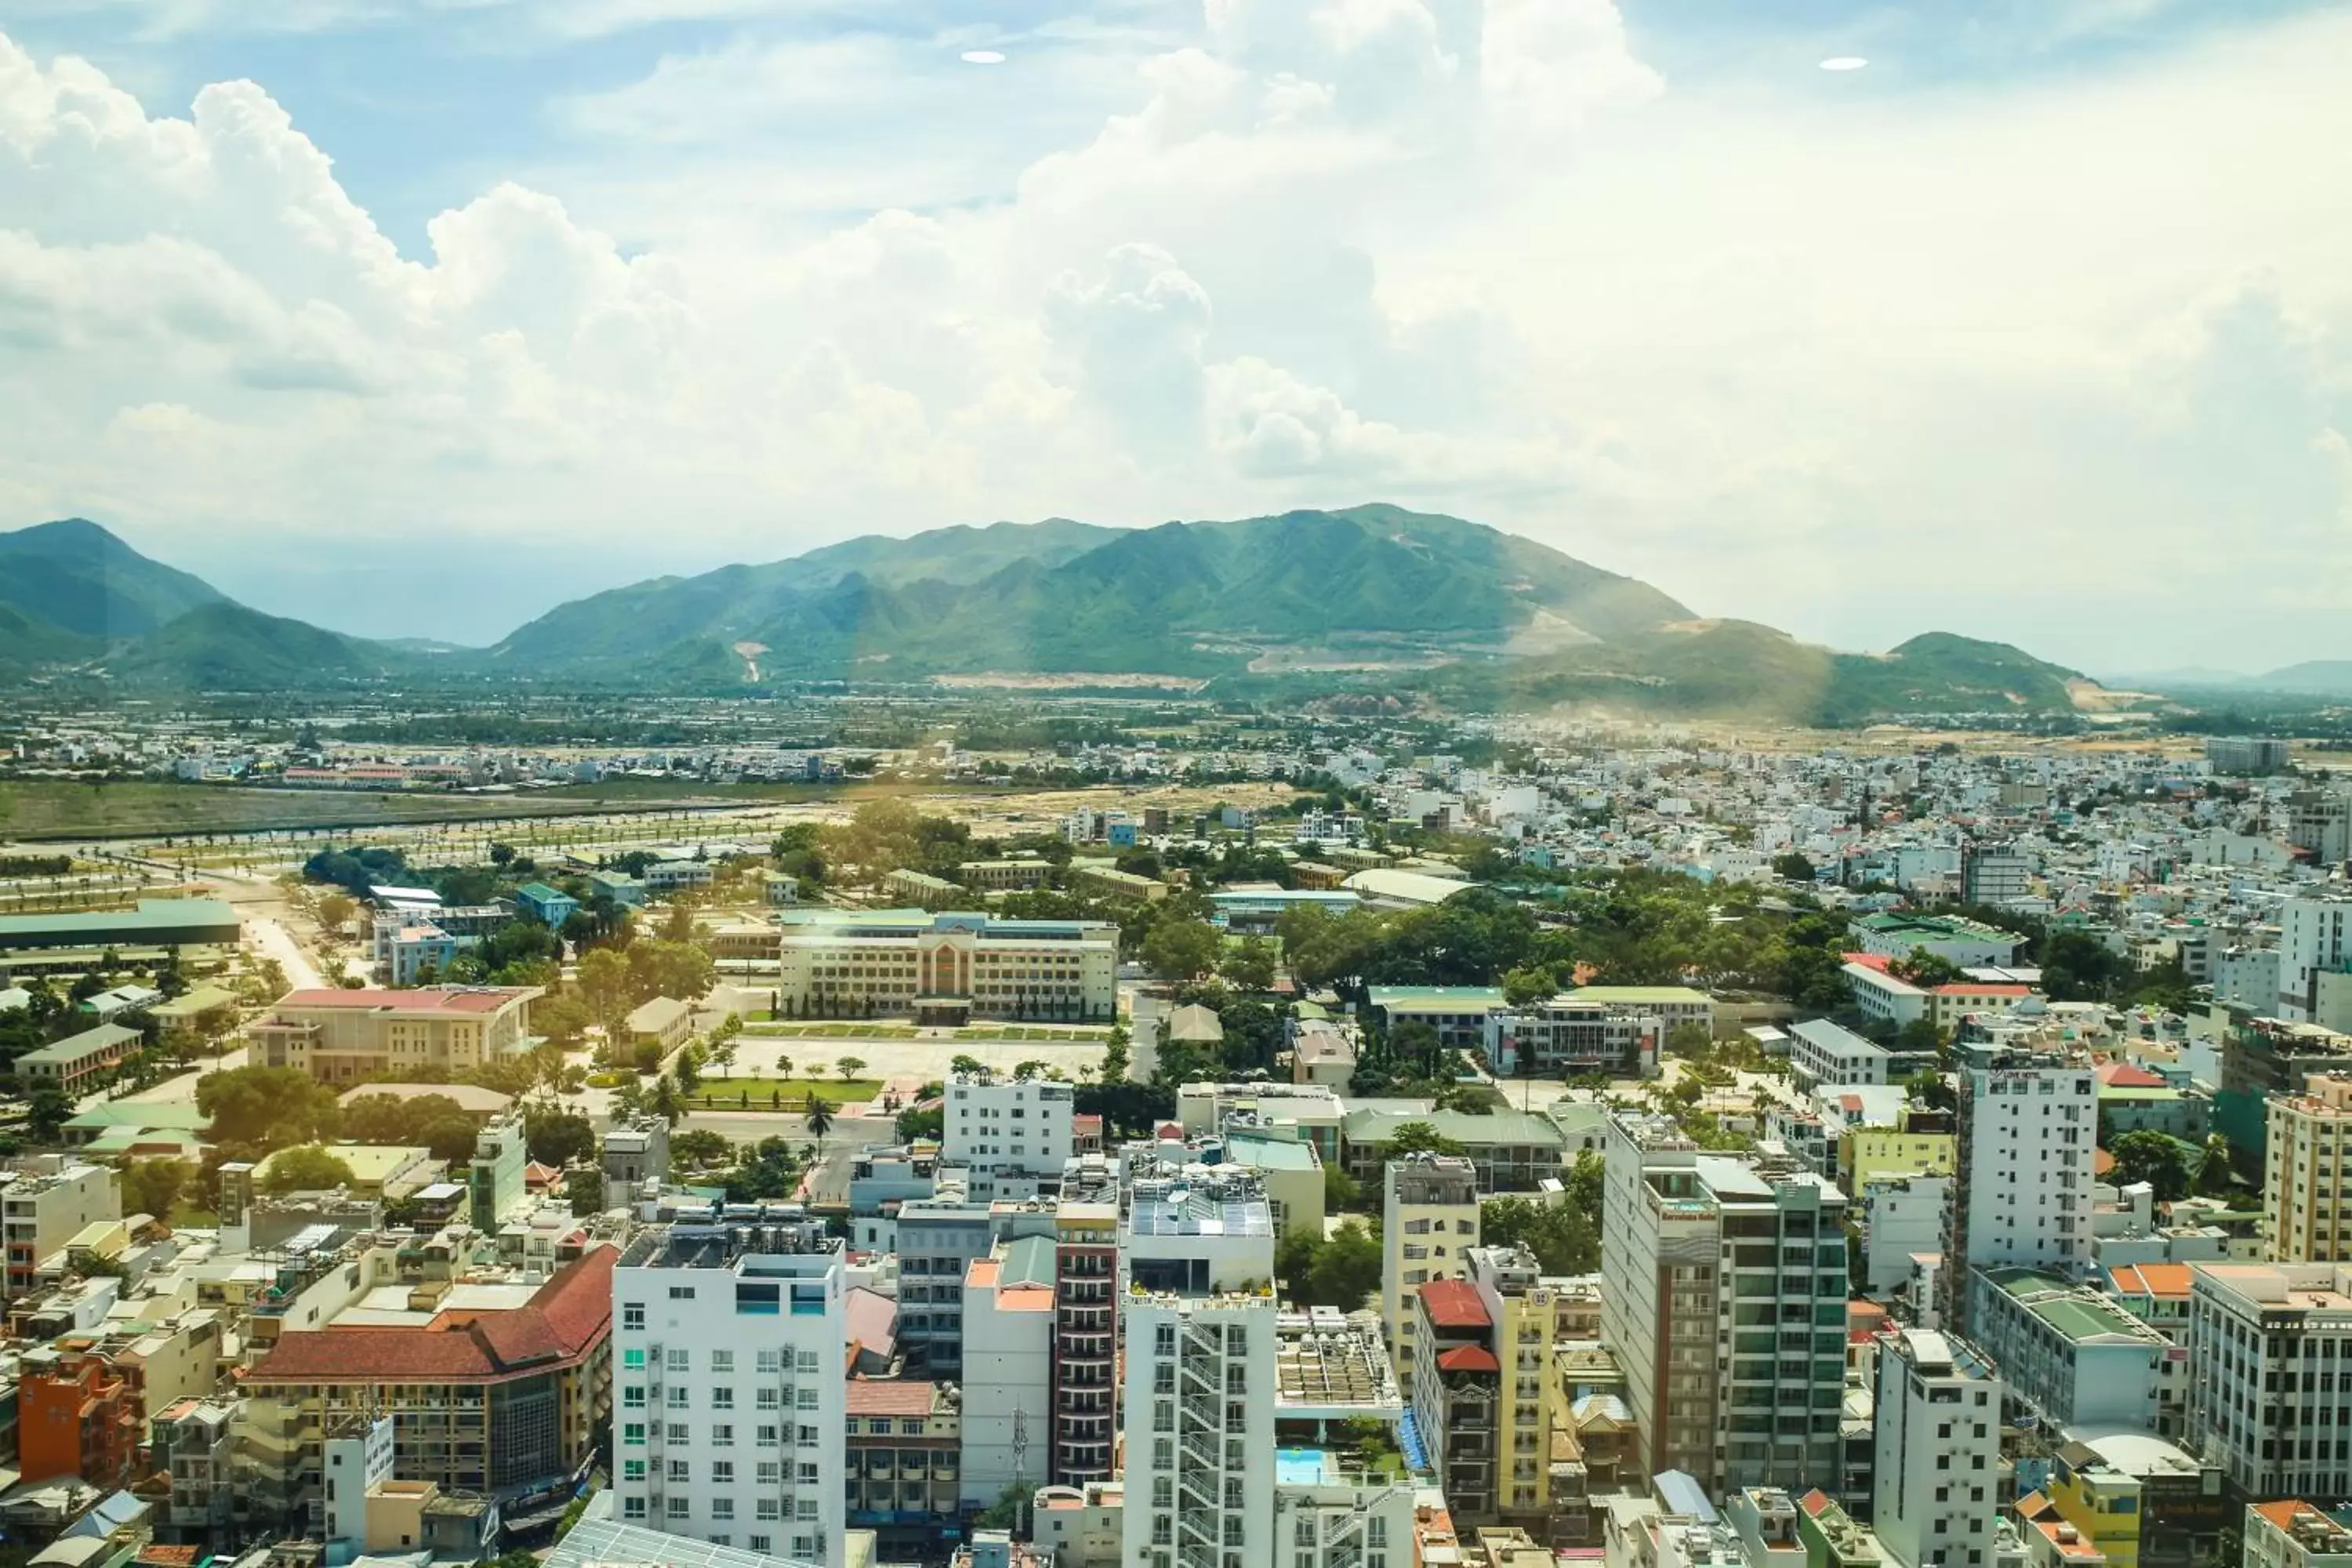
(364, 1036)
(946, 968)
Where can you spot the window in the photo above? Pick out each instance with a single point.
(769, 1473)
(722, 1398)
(675, 1508)
(766, 1436)
(722, 1436)
(632, 1508)
(633, 1434)
(768, 1360)
(633, 1469)
(767, 1508)
(677, 1432)
(762, 1542)
(681, 1292)
(633, 1315)
(722, 1508)
(722, 1362)
(680, 1396)
(722, 1472)
(633, 1396)
(680, 1470)
(633, 1360)
(678, 1358)
(808, 1361)
(767, 1398)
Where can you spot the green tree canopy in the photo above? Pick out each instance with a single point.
(261, 1107)
(306, 1168)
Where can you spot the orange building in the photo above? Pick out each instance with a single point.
(78, 1415)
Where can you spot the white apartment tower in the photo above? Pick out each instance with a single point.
(2029, 1130)
(1936, 1483)
(1197, 1249)
(1010, 1134)
(729, 1403)
(2268, 1404)
(2314, 938)
(1429, 1223)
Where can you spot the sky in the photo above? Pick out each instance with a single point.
(417, 317)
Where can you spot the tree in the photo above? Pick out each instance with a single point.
(1527, 985)
(848, 1068)
(562, 1138)
(335, 909)
(153, 1186)
(965, 1065)
(604, 986)
(1562, 1237)
(1178, 949)
(1926, 969)
(695, 1147)
(258, 1109)
(1023, 1071)
(2215, 1176)
(1420, 1137)
(1249, 964)
(1339, 1271)
(2156, 1158)
(1009, 1512)
(46, 1114)
(783, 1067)
(307, 1168)
(1792, 866)
(914, 1125)
(817, 1117)
(1116, 1061)
(1341, 1190)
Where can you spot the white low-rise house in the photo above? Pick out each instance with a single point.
(1823, 1055)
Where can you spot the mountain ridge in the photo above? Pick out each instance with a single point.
(1365, 598)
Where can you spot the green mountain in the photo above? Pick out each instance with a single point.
(79, 578)
(1369, 585)
(1373, 601)
(1739, 670)
(226, 646)
(2312, 678)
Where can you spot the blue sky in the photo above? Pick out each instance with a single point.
(2030, 328)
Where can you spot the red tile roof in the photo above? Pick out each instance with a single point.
(889, 1397)
(1877, 961)
(1978, 988)
(570, 1316)
(1469, 1358)
(1454, 1304)
(2152, 1280)
(2128, 1075)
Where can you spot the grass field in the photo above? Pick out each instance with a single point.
(890, 1031)
(33, 809)
(723, 1092)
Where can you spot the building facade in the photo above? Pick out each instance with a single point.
(356, 1037)
(2028, 1130)
(1935, 1482)
(1429, 1223)
(729, 1421)
(947, 968)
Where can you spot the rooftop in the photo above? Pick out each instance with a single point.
(455, 1001)
(569, 1316)
(1454, 1304)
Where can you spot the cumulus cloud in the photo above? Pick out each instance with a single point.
(1856, 361)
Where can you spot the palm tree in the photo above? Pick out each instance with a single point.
(819, 1119)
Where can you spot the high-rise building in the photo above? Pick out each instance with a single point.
(1994, 876)
(2252, 755)
(2314, 945)
(1429, 1223)
(729, 1423)
(1936, 1485)
(1691, 1241)
(1011, 1135)
(2028, 1128)
(2303, 1170)
(44, 1203)
(2320, 820)
(2256, 1405)
(1197, 1251)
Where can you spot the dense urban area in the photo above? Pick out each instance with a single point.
(1136, 1132)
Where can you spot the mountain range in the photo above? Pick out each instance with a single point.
(1422, 607)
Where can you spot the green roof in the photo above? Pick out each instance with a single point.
(152, 917)
(203, 999)
(181, 1115)
(2077, 1313)
(539, 892)
(1459, 998)
(1684, 994)
(121, 1139)
(73, 1047)
(1028, 1261)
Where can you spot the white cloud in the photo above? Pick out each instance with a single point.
(2007, 357)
